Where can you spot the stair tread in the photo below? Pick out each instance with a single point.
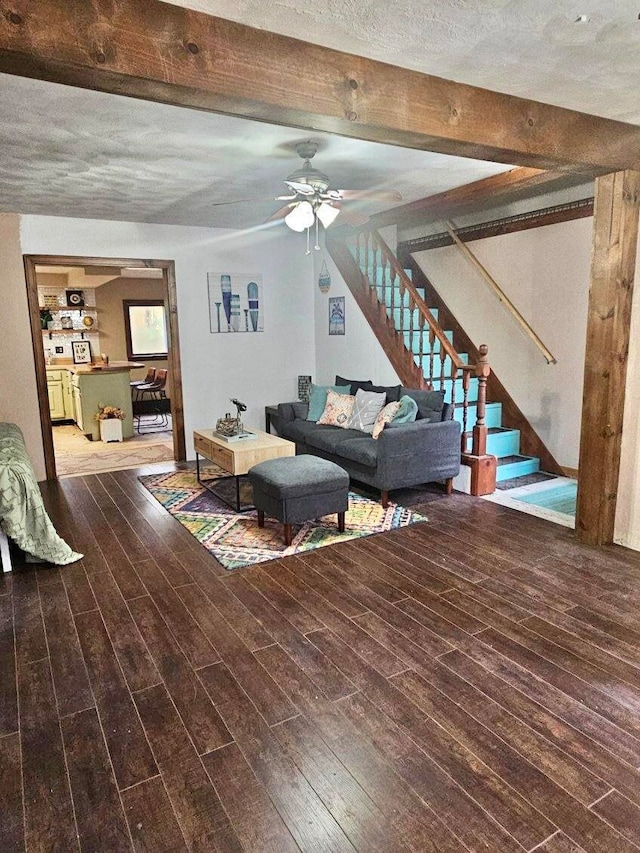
(498, 430)
(510, 460)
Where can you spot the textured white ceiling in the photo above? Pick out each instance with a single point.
(72, 152)
(531, 48)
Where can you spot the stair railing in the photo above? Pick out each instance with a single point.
(389, 284)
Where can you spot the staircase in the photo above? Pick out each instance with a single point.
(423, 353)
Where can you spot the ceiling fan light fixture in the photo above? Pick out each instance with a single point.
(301, 217)
(327, 214)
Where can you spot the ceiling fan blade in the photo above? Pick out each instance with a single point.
(244, 200)
(280, 214)
(371, 195)
(301, 189)
(352, 217)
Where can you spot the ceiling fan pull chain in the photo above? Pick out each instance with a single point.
(308, 252)
(317, 245)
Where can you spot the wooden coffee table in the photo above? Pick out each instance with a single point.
(237, 457)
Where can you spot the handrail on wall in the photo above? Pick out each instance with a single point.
(502, 296)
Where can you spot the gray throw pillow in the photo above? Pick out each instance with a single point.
(392, 392)
(366, 409)
(354, 384)
(428, 402)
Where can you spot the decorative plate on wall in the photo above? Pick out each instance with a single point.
(75, 298)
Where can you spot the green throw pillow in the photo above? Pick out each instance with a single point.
(407, 412)
(318, 399)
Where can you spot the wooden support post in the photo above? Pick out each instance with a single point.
(483, 473)
(479, 445)
(615, 233)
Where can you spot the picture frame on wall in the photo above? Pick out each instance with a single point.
(336, 315)
(75, 298)
(235, 302)
(81, 352)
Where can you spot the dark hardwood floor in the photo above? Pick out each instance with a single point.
(467, 684)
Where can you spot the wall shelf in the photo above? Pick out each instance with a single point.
(69, 308)
(81, 332)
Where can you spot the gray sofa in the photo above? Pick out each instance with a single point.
(424, 451)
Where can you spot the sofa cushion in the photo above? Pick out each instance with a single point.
(338, 410)
(363, 450)
(431, 416)
(330, 438)
(318, 399)
(407, 412)
(299, 430)
(366, 408)
(355, 384)
(392, 391)
(428, 402)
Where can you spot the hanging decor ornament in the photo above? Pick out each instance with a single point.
(324, 279)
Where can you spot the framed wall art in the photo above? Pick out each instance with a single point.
(235, 302)
(75, 298)
(81, 352)
(336, 315)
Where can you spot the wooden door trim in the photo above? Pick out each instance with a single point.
(175, 369)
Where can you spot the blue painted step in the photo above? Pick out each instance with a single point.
(447, 386)
(502, 442)
(493, 415)
(423, 343)
(516, 466)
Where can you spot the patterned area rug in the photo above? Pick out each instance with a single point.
(235, 539)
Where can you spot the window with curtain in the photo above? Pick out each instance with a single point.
(146, 328)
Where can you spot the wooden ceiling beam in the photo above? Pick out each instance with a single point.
(498, 189)
(158, 52)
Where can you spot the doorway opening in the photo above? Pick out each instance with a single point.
(107, 359)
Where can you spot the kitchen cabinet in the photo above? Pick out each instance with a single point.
(56, 401)
(59, 392)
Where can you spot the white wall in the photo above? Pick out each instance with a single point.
(18, 394)
(545, 273)
(356, 354)
(259, 369)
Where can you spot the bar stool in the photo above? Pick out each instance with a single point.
(156, 391)
(148, 380)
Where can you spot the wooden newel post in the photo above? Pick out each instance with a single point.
(483, 370)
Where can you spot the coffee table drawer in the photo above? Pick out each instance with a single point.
(221, 456)
(202, 445)
(212, 451)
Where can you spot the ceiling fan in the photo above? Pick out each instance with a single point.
(312, 201)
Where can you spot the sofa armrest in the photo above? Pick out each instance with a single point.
(419, 452)
(288, 412)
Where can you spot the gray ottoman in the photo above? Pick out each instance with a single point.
(298, 488)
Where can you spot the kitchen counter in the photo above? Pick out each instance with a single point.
(112, 367)
(92, 386)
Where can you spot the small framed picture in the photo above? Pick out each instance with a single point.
(304, 388)
(81, 352)
(75, 298)
(336, 315)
